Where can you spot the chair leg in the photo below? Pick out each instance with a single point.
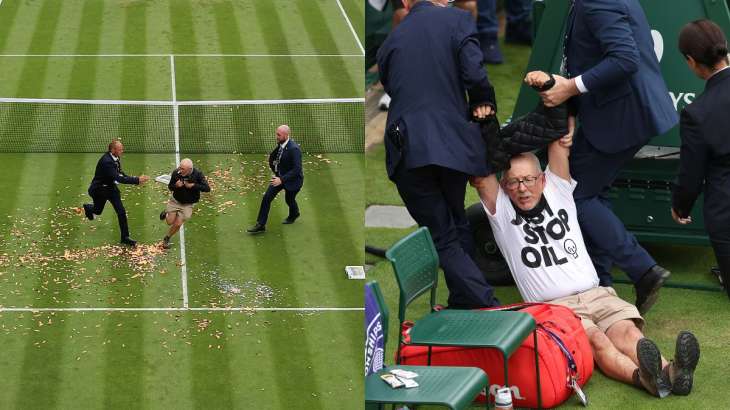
(537, 371)
(429, 355)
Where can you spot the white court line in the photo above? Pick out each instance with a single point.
(175, 111)
(185, 309)
(175, 102)
(182, 55)
(347, 19)
(73, 101)
(262, 102)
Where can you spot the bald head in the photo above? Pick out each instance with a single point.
(282, 133)
(116, 148)
(525, 163)
(185, 167)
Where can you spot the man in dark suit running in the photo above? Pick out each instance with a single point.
(428, 65)
(285, 162)
(104, 188)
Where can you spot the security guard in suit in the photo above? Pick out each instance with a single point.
(104, 188)
(428, 64)
(705, 152)
(622, 101)
(285, 162)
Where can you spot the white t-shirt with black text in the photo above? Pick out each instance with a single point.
(546, 253)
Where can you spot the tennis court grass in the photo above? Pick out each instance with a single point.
(287, 339)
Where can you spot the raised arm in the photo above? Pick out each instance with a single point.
(488, 188)
(559, 151)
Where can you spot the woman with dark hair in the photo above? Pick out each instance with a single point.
(705, 132)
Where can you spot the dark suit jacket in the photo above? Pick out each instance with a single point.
(427, 65)
(705, 155)
(107, 172)
(610, 45)
(290, 166)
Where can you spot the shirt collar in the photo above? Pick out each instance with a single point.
(719, 71)
(283, 144)
(116, 159)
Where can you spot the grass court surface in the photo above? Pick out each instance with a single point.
(234, 321)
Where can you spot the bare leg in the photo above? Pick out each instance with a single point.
(609, 359)
(175, 225)
(624, 335)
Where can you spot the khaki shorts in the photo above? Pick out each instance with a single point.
(184, 210)
(600, 307)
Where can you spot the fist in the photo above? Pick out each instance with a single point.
(482, 111)
(179, 184)
(536, 78)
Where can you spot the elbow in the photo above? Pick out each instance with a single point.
(629, 61)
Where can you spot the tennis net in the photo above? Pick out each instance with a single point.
(247, 126)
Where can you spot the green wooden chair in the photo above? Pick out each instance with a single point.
(453, 387)
(416, 263)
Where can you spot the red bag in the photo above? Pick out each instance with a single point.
(557, 325)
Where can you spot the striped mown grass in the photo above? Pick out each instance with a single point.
(298, 265)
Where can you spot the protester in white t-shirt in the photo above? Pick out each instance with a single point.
(534, 220)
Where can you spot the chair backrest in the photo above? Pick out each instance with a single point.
(382, 307)
(415, 263)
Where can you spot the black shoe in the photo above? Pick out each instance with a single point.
(647, 288)
(650, 372)
(166, 243)
(88, 211)
(258, 228)
(290, 219)
(680, 371)
(128, 241)
(163, 215)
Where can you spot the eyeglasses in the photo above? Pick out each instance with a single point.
(514, 183)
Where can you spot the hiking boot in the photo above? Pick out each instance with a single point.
(647, 288)
(166, 243)
(163, 215)
(649, 373)
(680, 371)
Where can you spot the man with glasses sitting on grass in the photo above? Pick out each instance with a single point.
(535, 223)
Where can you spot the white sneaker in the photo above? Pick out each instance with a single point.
(384, 102)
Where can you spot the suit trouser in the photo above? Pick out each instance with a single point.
(100, 196)
(434, 197)
(487, 22)
(721, 245)
(608, 241)
(271, 192)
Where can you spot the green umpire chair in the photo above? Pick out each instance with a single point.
(416, 263)
(453, 387)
